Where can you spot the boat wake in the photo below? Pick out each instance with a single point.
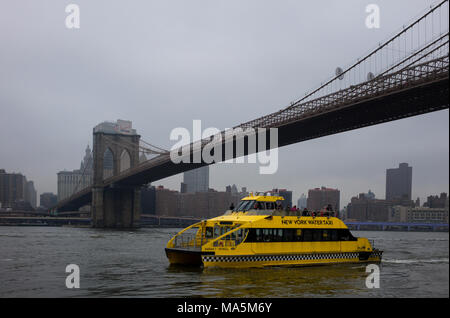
(415, 261)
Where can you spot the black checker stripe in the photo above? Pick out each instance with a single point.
(268, 258)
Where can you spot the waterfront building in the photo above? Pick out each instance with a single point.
(196, 180)
(366, 208)
(418, 215)
(319, 198)
(399, 182)
(198, 204)
(70, 182)
(166, 201)
(16, 192)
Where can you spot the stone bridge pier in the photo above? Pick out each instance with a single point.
(116, 206)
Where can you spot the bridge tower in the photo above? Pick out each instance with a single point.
(115, 206)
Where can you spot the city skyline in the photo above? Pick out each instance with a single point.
(167, 182)
(248, 64)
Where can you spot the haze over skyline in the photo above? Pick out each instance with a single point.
(164, 64)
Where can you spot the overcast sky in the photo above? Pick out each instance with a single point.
(162, 64)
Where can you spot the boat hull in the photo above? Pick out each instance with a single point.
(184, 257)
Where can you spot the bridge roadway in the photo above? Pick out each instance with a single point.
(409, 92)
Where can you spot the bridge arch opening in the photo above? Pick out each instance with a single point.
(108, 163)
(125, 161)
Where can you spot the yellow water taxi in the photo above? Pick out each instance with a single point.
(259, 233)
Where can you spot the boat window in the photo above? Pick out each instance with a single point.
(240, 206)
(216, 231)
(334, 235)
(259, 206)
(235, 238)
(317, 235)
(267, 235)
(326, 236)
(257, 235)
(209, 232)
(307, 235)
(345, 235)
(249, 205)
(288, 235)
(298, 235)
(277, 235)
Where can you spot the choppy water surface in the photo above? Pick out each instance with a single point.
(133, 263)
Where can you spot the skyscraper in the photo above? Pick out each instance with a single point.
(399, 182)
(197, 180)
(70, 182)
(302, 202)
(31, 194)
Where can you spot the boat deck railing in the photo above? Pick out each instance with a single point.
(189, 240)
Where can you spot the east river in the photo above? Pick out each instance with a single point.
(133, 264)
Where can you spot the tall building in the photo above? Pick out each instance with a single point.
(16, 192)
(302, 202)
(148, 199)
(70, 182)
(286, 194)
(399, 182)
(319, 198)
(31, 194)
(48, 200)
(196, 180)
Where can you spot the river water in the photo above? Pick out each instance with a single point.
(133, 263)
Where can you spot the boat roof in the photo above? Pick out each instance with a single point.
(242, 217)
(263, 198)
